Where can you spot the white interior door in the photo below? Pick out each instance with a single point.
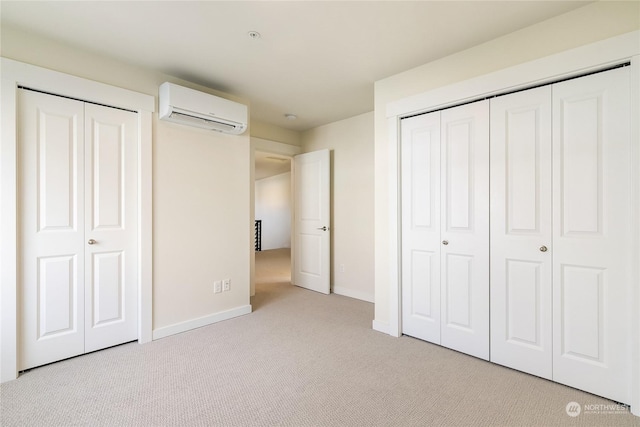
(52, 249)
(78, 234)
(521, 332)
(465, 228)
(592, 233)
(420, 194)
(311, 261)
(111, 314)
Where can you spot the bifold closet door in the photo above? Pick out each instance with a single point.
(420, 194)
(52, 249)
(592, 240)
(111, 291)
(445, 227)
(464, 264)
(78, 228)
(521, 250)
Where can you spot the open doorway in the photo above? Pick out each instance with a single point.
(273, 213)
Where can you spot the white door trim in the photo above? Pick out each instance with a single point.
(573, 62)
(16, 73)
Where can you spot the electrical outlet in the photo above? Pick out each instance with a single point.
(217, 286)
(226, 285)
(341, 268)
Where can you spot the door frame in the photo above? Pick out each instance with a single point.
(16, 74)
(574, 62)
(280, 149)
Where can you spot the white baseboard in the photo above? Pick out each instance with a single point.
(381, 327)
(200, 322)
(363, 296)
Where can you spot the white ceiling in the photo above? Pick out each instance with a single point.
(316, 59)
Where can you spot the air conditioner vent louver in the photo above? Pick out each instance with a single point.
(193, 108)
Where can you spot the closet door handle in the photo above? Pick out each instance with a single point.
(445, 242)
(543, 249)
(92, 242)
(323, 228)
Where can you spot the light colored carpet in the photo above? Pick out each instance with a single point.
(300, 359)
(273, 266)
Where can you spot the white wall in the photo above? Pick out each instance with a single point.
(273, 207)
(201, 217)
(596, 21)
(351, 145)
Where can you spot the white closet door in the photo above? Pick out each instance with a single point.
(51, 204)
(78, 232)
(592, 234)
(111, 293)
(420, 193)
(521, 331)
(465, 229)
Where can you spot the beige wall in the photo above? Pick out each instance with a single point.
(596, 21)
(201, 227)
(351, 145)
(275, 133)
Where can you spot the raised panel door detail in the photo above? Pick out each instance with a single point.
(310, 247)
(420, 226)
(57, 141)
(522, 146)
(111, 297)
(464, 245)
(421, 186)
(108, 288)
(521, 213)
(57, 295)
(421, 284)
(309, 179)
(458, 284)
(582, 312)
(581, 164)
(459, 146)
(593, 233)
(524, 317)
(51, 228)
(108, 174)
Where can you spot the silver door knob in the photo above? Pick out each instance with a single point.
(445, 242)
(323, 228)
(92, 242)
(543, 249)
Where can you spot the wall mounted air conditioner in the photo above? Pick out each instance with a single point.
(193, 108)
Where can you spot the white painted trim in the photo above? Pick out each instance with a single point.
(145, 227)
(393, 157)
(380, 327)
(573, 62)
(558, 66)
(346, 292)
(200, 322)
(16, 73)
(635, 213)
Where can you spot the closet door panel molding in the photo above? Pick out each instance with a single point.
(592, 233)
(420, 157)
(521, 331)
(465, 228)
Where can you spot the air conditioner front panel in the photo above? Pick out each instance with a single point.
(192, 108)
